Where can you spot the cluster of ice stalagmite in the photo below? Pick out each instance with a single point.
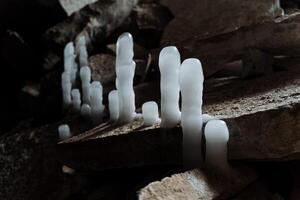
(150, 113)
(125, 69)
(191, 85)
(64, 132)
(176, 77)
(217, 136)
(90, 102)
(188, 79)
(169, 63)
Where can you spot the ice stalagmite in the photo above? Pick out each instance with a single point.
(191, 86)
(70, 65)
(85, 76)
(217, 136)
(82, 51)
(150, 113)
(97, 107)
(113, 103)
(76, 100)
(169, 64)
(66, 86)
(125, 69)
(64, 132)
(85, 111)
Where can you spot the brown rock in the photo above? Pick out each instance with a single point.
(103, 68)
(96, 21)
(29, 164)
(151, 16)
(196, 184)
(219, 32)
(196, 19)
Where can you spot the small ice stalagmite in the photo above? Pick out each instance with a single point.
(113, 103)
(82, 51)
(66, 86)
(70, 65)
(85, 111)
(125, 69)
(76, 100)
(150, 113)
(64, 132)
(217, 136)
(85, 76)
(169, 64)
(191, 85)
(97, 107)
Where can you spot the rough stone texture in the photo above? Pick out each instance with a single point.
(71, 6)
(96, 21)
(273, 134)
(220, 32)
(23, 164)
(29, 165)
(103, 68)
(196, 184)
(203, 19)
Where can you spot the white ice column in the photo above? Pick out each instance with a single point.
(169, 64)
(125, 69)
(191, 86)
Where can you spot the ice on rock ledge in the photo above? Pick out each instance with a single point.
(169, 64)
(64, 132)
(113, 104)
(125, 69)
(150, 113)
(191, 85)
(217, 136)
